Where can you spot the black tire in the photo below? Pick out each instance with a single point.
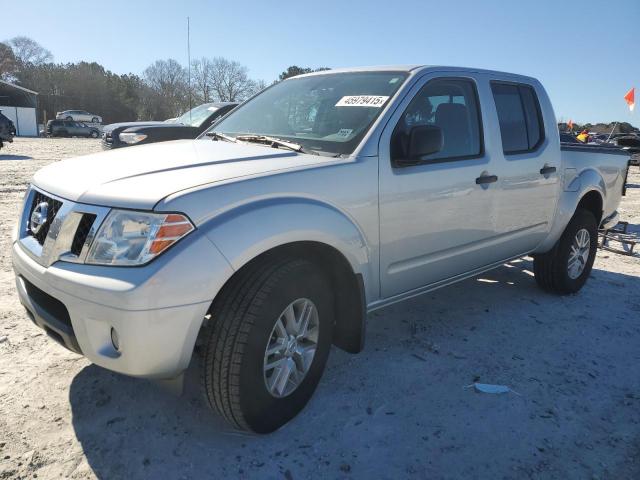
(240, 328)
(69, 117)
(94, 134)
(551, 268)
(94, 120)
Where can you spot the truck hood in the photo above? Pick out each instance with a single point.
(113, 126)
(141, 176)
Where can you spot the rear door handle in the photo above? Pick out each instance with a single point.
(483, 179)
(546, 170)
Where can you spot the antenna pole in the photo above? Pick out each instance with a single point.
(189, 63)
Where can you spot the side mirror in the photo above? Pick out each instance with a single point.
(423, 140)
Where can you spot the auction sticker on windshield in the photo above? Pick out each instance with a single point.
(362, 101)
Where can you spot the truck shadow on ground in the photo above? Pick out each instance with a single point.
(15, 157)
(418, 353)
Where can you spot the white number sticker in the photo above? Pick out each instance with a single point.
(362, 101)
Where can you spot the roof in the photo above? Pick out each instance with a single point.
(18, 87)
(375, 68)
(412, 68)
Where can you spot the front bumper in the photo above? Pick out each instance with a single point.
(156, 310)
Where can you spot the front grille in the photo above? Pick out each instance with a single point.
(52, 210)
(84, 227)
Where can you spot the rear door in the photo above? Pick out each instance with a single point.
(530, 171)
(436, 220)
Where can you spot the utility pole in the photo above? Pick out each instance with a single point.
(189, 63)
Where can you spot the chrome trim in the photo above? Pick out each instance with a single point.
(59, 239)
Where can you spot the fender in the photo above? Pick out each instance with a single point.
(243, 233)
(576, 186)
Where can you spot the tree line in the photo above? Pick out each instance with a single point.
(162, 91)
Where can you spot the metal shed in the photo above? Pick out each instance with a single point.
(20, 104)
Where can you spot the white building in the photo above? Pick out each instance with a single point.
(20, 104)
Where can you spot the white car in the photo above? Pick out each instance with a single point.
(79, 116)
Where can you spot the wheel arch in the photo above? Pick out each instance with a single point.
(349, 294)
(593, 202)
(586, 190)
(307, 229)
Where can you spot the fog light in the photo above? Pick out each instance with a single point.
(115, 340)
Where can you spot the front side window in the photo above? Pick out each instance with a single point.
(451, 105)
(519, 117)
(327, 113)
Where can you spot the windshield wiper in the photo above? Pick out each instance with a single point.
(275, 142)
(220, 136)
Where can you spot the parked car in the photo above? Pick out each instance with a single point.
(7, 130)
(79, 116)
(324, 197)
(188, 126)
(69, 128)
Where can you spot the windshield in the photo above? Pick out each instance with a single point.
(196, 116)
(324, 113)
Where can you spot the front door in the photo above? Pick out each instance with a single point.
(437, 217)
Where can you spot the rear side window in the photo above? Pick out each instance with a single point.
(519, 115)
(448, 103)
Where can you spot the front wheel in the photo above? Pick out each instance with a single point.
(267, 343)
(566, 267)
(95, 120)
(94, 134)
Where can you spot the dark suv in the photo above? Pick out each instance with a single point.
(69, 128)
(7, 130)
(188, 125)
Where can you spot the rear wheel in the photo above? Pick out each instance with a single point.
(566, 267)
(94, 134)
(69, 117)
(95, 120)
(267, 343)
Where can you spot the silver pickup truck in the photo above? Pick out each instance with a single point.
(322, 198)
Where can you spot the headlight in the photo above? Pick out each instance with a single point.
(127, 237)
(132, 137)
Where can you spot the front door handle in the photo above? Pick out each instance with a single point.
(547, 170)
(483, 179)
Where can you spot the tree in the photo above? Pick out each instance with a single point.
(230, 81)
(28, 51)
(219, 79)
(8, 62)
(201, 70)
(295, 70)
(168, 79)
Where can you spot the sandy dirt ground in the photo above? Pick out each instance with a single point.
(397, 410)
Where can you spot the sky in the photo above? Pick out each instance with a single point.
(586, 54)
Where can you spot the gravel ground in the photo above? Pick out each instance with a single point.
(397, 410)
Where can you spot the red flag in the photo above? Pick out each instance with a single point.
(630, 98)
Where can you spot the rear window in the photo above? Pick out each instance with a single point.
(519, 115)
